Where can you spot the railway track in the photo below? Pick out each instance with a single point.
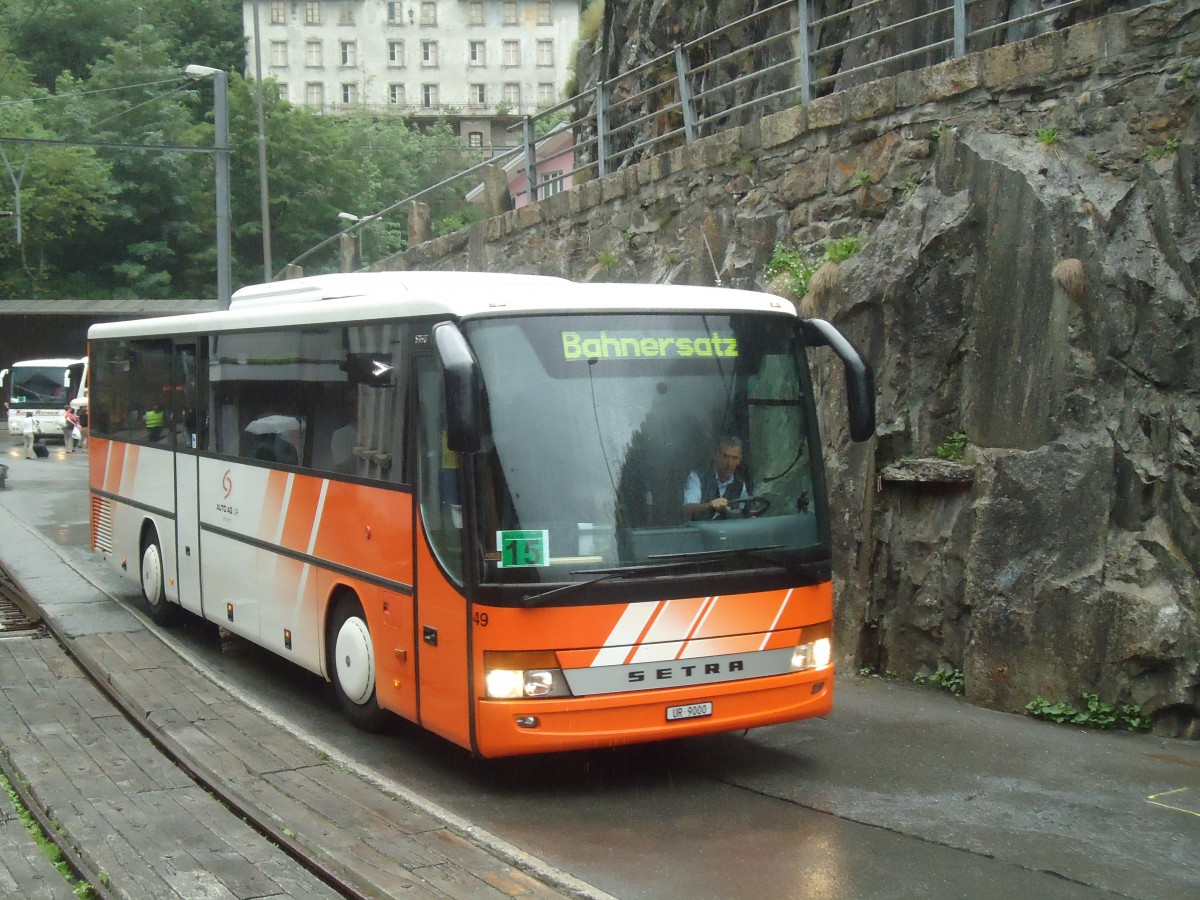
(19, 621)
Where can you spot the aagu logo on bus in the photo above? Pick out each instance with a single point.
(227, 509)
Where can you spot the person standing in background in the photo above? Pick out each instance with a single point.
(29, 430)
(70, 426)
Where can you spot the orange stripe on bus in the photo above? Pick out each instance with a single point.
(649, 625)
(272, 506)
(746, 613)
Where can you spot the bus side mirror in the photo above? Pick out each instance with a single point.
(463, 394)
(860, 383)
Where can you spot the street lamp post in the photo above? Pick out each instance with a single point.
(263, 199)
(221, 145)
(351, 244)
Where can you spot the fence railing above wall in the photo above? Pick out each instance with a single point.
(750, 67)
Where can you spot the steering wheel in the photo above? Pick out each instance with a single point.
(754, 506)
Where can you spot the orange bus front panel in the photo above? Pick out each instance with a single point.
(631, 672)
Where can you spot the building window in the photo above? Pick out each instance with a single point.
(349, 53)
(395, 14)
(512, 53)
(477, 53)
(312, 12)
(429, 53)
(396, 53)
(428, 12)
(475, 12)
(279, 53)
(314, 94)
(544, 16)
(545, 53)
(512, 96)
(349, 94)
(282, 89)
(510, 12)
(474, 138)
(345, 14)
(546, 93)
(313, 55)
(477, 95)
(552, 183)
(429, 96)
(278, 12)
(396, 94)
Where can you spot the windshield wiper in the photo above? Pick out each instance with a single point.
(761, 554)
(671, 562)
(618, 572)
(731, 553)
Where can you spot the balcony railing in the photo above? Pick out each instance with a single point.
(763, 62)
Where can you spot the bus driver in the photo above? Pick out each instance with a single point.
(714, 492)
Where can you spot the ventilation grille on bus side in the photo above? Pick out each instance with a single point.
(102, 523)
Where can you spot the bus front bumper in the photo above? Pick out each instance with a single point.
(513, 727)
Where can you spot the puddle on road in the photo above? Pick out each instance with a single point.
(72, 535)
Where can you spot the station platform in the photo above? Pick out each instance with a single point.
(143, 827)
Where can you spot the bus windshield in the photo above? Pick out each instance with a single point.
(604, 436)
(39, 385)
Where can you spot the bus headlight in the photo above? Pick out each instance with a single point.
(812, 655)
(509, 676)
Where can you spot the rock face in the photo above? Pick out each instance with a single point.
(1028, 278)
(1070, 562)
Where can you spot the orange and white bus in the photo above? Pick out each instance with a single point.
(459, 498)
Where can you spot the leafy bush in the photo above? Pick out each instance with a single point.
(800, 266)
(794, 263)
(1047, 136)
(1096, 713)
(842, 249)
(1157, 153)
(947, 677)
(953, 447)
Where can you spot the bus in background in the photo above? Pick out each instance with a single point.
(45, 388)
(459, 498)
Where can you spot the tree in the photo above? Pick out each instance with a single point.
(123, 218)
(62, 188)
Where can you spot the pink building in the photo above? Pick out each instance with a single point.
(555, 160)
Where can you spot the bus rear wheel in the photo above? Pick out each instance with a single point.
(154, 590)
(351, 663)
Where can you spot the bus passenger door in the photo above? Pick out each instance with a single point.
(185, 424)
(442, 637)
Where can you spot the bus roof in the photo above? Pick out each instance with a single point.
(47, 363)
(377, 295)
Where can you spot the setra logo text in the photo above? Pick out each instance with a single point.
(685, 671)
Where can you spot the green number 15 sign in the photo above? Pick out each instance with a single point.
(523, 548)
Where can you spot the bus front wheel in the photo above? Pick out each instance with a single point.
(351, 658)
(154, 591)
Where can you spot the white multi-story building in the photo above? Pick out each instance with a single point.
(480, 64)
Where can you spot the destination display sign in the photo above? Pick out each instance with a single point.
(584, 345)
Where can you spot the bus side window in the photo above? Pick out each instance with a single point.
(150, 391)
(375, 363)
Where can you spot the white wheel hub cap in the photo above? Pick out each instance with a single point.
(152, 575)
(354, 660)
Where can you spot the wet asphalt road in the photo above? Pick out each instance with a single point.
(905, 791)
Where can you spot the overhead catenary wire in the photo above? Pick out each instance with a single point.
(69, 94)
